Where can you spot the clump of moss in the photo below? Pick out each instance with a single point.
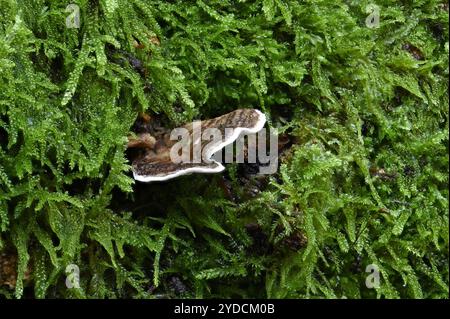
(363, 182)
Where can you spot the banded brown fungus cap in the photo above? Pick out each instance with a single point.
(157, 165)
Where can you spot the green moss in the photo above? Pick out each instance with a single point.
(365, 181)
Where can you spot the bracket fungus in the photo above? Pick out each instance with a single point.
(161, 160)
